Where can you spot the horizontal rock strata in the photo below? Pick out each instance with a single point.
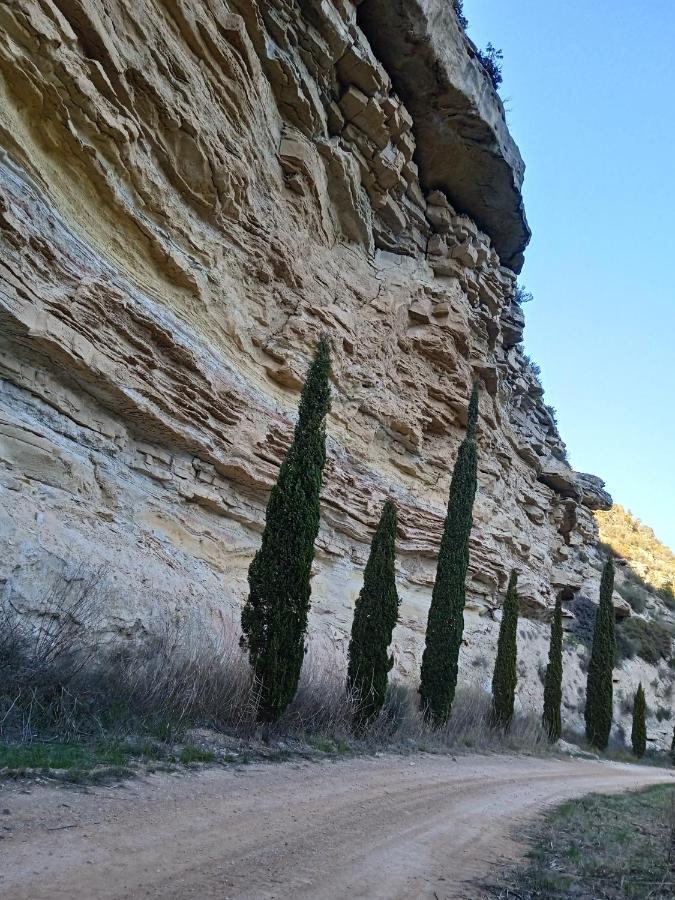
(190, 194)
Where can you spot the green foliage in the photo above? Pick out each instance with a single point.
(375, 616)
(274, 619)
(553, 679)
(505, 675)
(651, 564)
(667, 594)
(635, 595)
(191, 754)
(445, 624)
(459, 11)
(651, 640)
(522, 295)
(58, 756)
(615, 846)
(599, 688)
(491, 60)
(638, 734)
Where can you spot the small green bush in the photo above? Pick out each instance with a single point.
(459, 12)
(667, 594)
(650, 640)
(634, 595)
(491, 60)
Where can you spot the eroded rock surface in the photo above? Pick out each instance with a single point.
(190, 194)
(463, 143)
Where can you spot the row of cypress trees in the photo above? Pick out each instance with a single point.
(274, 617)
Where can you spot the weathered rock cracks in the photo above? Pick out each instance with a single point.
(190, 194)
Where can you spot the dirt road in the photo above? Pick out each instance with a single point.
(387, 827)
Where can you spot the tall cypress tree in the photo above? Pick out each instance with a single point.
(638, 735)
(375, 616)
(445, 623)
(553, 679)
(505, 677)
(599, 688)
(274, 618)
(672, 748)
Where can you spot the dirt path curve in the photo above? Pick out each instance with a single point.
(388, 827)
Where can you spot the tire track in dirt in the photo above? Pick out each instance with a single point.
(387, 827)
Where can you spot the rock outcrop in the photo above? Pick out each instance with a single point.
(190, 194)
(463, 145)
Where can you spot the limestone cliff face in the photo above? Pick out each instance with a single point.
(190, 194)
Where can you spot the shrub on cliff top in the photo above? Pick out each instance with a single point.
(553, 679)
(459, 12)
(375, 616)
(599, 687)
(505, 675)
(491, 60)
(639, 731)
(445, 623)
(274, 618)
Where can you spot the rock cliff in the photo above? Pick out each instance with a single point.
(190, 194)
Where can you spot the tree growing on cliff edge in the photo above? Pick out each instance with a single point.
(459, 11)
(274, 618)
(553, 679)
(599, 688)
(375, 616)
(638, 735)
(505, 676)
(445, 623)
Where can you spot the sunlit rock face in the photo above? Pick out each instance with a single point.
(192, 193)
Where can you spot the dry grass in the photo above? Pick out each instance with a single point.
(600, 847)
(59, 683)
(651, 562)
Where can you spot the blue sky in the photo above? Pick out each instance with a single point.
(589, 92)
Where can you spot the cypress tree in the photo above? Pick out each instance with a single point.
(672, 748)
(599, 688)
(445, 623)
(553, 679)
(274, 618)
(375, 616)
(638, 735)
(505, 677)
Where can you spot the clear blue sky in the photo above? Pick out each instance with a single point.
(590, 95)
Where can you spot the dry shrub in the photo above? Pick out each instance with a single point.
(181, 677)
(469, 725)
(322, 705)
(44, 654)
(58, 678)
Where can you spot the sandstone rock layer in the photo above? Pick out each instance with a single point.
(190, 194)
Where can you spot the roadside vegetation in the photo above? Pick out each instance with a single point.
(599, 848)
(72, 703)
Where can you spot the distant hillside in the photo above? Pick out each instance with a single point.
(647, 556)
